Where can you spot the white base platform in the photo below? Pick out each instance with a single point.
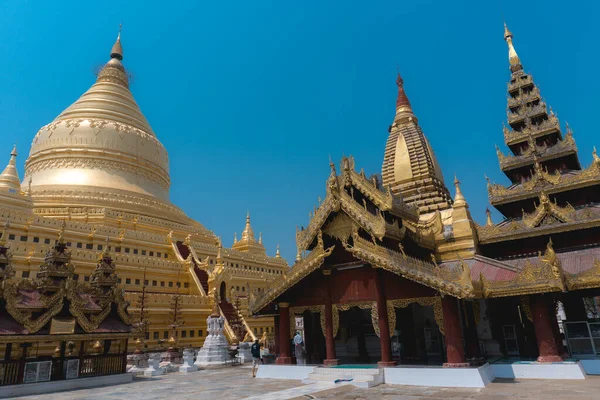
(299, 372)
(591, 366)
(59, 386)
(535, 370)
(359, 377)
(439, 376)
(413, 375)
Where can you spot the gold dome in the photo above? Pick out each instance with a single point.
(102, 152)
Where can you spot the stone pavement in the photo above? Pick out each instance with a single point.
(237, 383)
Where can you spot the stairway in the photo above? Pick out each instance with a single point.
(202, 275)
(232, 317)
(360, 377)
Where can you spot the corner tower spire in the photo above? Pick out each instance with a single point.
(409, 164)
(9, 178)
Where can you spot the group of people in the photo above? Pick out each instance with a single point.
(299, 352)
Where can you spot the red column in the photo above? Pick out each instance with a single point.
(455, 352)
(384, 329)
(329, 338)
(471, 335)
(542, 322)
(284, 334)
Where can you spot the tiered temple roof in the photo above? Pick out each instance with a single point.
(549, 191)
(54, 299)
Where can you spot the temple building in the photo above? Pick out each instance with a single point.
(396, 271)
(99, 171)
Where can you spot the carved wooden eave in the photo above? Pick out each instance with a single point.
(542, 153)
(543, 181)
(337, 199)
(547, 218)
(453, 282)
(589, 279)
(545, 275)
(312, 262)
(512, 137)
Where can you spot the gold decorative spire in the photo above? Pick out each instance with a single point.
(248, 242)
(61, 232)
(488, 215)
(234, 237)
(10, 177)
(5, 235)
(277, 253)
(219, 247)
(248, 233)
(459, 199)
(513, 57)
(298, 255)
(117, 49)
(595, 156)
(260, 238)
(402, 103)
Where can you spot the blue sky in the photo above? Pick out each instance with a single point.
(251, 98)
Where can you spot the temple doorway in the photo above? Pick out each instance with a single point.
(356, 341)
(223, 292)
(417, 339)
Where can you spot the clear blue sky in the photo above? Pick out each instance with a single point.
(250, 97)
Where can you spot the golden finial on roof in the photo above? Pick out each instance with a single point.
(219, 247)
(61, 232)
(513, 57)
(277, 253)
(488, 215)
(260, 238)
(5, 234)
(234, 237)
(117, 49)
(298, 255)
(595, 156)
(10, 177)
(459, 199)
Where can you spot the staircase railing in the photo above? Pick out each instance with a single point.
(229, 334)
(190, 267)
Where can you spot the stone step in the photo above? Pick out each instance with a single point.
(361, 378)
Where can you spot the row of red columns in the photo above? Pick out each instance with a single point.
(550, 347)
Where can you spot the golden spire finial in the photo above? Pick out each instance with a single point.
(459, 199)
(61, 232)
(298, 255)
(117, 49)
(5, 235)
(595, 156)
(248, 233)
(277, 253)
(234, 237)
(10, 177)
(513, 57)
(219, 247)
(488, 215)
(260, 238)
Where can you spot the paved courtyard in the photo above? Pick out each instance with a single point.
(237, 383)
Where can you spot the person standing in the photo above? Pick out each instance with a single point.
(299, 349)
(255, 351)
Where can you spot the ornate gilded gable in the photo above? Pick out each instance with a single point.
(541, 275)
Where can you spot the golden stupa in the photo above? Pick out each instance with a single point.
(99, 171)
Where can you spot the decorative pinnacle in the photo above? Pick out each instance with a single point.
(507, 33)
(459, 199)
(402, 100)
(5, 235)
(595, 156)
(513, 57)
(117, 49)
(61, 232)
(277, 253)
(488, 215)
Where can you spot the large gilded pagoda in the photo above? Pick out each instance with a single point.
(396, 271)
(100, 171)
